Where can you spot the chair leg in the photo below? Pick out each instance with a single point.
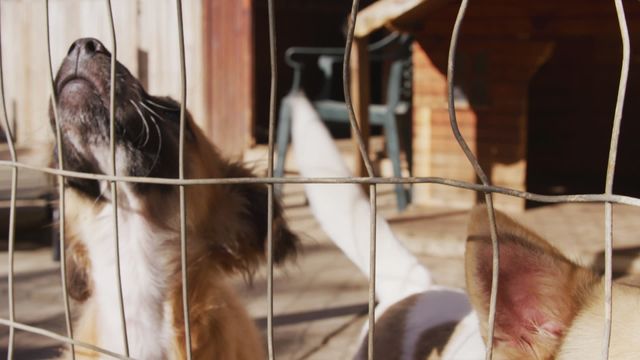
(282, 141)
(393, 150)
(405, 127)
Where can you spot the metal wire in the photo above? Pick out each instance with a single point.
(113, 184)
(373, 207)
(346, 77)
(574, 198)
(61, 189)
(12, 209)
(272, 116)
(611, 168)
(64, 339)
(479, 172)
(346, 82)
(183, 206)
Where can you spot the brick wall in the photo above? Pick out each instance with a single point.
(493, 71)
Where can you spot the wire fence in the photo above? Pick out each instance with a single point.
(608, 197)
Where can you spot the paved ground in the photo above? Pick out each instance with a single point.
(320, 301)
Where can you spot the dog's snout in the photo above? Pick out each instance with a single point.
(86, 47)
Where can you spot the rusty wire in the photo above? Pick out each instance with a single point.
(611, 167)
(61, 188)
(455, 34)
(551, 199)
(346, 83)
(114, 184)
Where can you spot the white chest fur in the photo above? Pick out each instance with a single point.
(145, 272)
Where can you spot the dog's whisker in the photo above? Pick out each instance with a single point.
(161, 106)
(157, 156)
(153, 111)
(144, 122)
(100, 196)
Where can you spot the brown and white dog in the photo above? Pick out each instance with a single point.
(548, 306)
(226, 224)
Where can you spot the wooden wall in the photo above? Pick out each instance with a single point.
(227, 52)
(229, 57)
(147, 45)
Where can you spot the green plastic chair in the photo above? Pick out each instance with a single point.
(394, 49)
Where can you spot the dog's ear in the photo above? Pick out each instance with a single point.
(251, 237)
(234, 217)
(539, 290)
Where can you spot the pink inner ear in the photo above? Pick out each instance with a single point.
(554, 328)
(522, 315)
(530, 295)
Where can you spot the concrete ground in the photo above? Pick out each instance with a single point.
(320, 300)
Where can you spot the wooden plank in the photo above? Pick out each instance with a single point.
(382, 12)
(524, 25)
(567, 18)
(26, 70)
(228, 70)
(158, 56)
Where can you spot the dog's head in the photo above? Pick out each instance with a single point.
(146, 127)
(228, 222)
(548, 307)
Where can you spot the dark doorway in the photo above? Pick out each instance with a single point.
(571, 105)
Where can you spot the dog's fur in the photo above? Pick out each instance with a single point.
(548, 306)
(226, 224)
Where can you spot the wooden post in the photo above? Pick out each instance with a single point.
(228, 56)
(361, 98)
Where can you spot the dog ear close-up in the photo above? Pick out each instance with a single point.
(540, 291)
(252, 231)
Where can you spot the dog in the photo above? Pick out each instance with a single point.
(548, 306)
(226, 225)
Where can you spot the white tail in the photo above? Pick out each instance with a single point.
(344, 213)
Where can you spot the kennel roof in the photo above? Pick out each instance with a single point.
(394, 14)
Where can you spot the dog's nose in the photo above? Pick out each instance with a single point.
(86, 48)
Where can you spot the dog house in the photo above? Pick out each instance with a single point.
(535, 91)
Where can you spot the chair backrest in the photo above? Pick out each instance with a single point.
(326, 65)
(399, 82)
(394, 49)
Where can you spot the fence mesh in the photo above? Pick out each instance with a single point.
(608, 197)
